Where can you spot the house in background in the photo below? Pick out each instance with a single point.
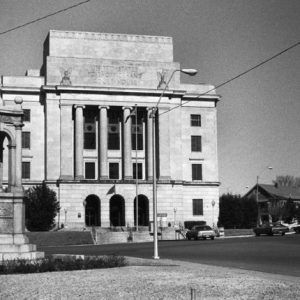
(272, 199)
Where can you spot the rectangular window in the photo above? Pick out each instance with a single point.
(26, 170)
(114, 136)
(196, 120)
(114, 171)
(25, 140)
(26, 116)
(140, 170)
(137, 133)
(198, 207)
(90, 130)
(196, 143)
(196, 172)
(113, 130)
(89, 170)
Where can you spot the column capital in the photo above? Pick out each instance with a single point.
(18, 126)
(103, 107)
(127, 107)
(79, 105)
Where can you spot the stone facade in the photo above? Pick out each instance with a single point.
(83, 146)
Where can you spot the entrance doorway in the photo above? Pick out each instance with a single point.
(117, 210)
(143, 209)
(92, 211)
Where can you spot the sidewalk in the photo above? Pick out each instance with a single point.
(148, 279)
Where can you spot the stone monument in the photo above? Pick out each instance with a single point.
(13, 242)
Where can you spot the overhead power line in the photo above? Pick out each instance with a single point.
(235, 77)
(44, 17)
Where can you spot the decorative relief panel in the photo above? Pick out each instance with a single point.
(106, 73)
(6, 217)
(6, 210)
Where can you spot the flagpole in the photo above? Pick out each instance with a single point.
(136, 173)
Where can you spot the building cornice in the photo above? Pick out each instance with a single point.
(58, 89)
(132, 181)
(18, 89)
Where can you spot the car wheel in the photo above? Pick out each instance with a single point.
(257, 234)
(204, 238)
(212, 238)
(282, 233)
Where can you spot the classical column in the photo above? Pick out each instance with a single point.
(149, 145)
(66, 142)
(127, 143)
(103, 141)
(11, 166)
(79, 141)
(18, 155)
(164, 145)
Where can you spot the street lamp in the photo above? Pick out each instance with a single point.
(190, 72)
(257, 177)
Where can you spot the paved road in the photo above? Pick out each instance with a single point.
(272, 254)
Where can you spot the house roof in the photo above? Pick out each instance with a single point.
(283, 192)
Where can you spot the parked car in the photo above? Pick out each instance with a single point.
(297, 229)
(271, 229)
(201, 232)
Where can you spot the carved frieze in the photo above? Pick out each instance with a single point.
(115, 75)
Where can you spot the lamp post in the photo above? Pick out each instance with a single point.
(136, 173)
(258, 211)
(190, 72)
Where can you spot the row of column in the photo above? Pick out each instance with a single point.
(103, 147)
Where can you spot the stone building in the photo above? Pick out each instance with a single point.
(76, 139)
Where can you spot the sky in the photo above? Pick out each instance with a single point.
(259, 113)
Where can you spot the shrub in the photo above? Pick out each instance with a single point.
(41, 207)
(61, 264)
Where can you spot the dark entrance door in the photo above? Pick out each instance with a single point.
(117, 210)
(92, 211)
(143, 209)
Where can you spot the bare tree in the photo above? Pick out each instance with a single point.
(287, 180)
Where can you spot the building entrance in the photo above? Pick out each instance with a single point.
(117, 210)
(92, 211)
(143, 210)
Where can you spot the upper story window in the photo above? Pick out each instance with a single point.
(89, 170)
(89, 130)
(26, 116)
(196, 120)
(25, 140)
(139, 170)
(26, 170)
(196, 171)
(196, 143)
(197, 207)
(113, 130)
(137, 134)
(114, 171)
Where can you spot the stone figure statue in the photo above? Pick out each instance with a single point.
(65, 76)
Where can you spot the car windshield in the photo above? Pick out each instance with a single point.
(202, 227)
